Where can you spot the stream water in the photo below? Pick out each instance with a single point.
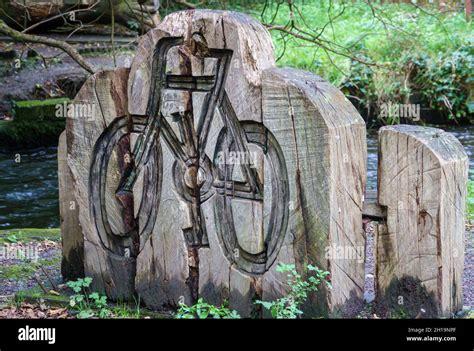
(29, 188)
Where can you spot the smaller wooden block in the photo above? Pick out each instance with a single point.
(420, 258)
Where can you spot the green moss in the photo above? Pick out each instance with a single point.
(37, 110)
(39, 103)
(29, 234)
(14, 134)
(35, 294)
(24, 270)
(50, 262)
(35, 124)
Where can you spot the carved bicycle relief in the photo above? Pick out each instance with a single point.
(204, 166)
(197, 178)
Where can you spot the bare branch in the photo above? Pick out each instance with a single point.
(28, 38)
(317, 42)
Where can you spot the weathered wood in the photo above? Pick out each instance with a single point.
(420, 258)
(323, 139)
(101, 101)
(236, 166)
(372, 208)
(72, 265)
(251, 53)
(56, 12)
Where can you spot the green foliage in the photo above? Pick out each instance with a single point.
(87, 304)
(125, 310)
(26, 266)
(203, 310)
(29, 234)
(18, 271)
(16, 134)
(415, 55)
(470, 199)
(12, 238)
(288, 307)
(134, 25)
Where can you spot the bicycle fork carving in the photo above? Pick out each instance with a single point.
(185, 72)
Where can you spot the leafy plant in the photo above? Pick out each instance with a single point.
(123, 309)
(87, 304)
(12, 238)
(203, 310)
(288, 307)
(134, 25)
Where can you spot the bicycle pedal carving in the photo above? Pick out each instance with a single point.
(204, 166)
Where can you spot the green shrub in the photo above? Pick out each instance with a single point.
(87, 304)
(203, 310)
(288, 307)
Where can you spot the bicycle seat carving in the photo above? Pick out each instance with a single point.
(203, 166)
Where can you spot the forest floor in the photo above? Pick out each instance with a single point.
(34, 288)
(60, 75)
(30, 260)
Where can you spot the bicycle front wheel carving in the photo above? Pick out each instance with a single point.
(124, 238)
(251, 227)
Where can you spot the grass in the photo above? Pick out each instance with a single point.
(17, 271)
(408, 29)
(39, 103)
(25, 269)
(29, 234)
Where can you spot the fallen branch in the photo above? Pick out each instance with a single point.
(29, 38)
(49, 278)
(40, 284)
(61, 15)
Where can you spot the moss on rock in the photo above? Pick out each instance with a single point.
(35, 124)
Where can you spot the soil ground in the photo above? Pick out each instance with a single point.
(43, 274)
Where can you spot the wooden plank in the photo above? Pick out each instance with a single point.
(372, 208)
(173, 259)
(420, 258)
(72, 265)
(323, 140)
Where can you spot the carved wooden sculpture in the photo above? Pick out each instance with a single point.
(204, 166)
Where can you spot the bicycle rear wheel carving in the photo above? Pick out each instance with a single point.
(258, 135)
